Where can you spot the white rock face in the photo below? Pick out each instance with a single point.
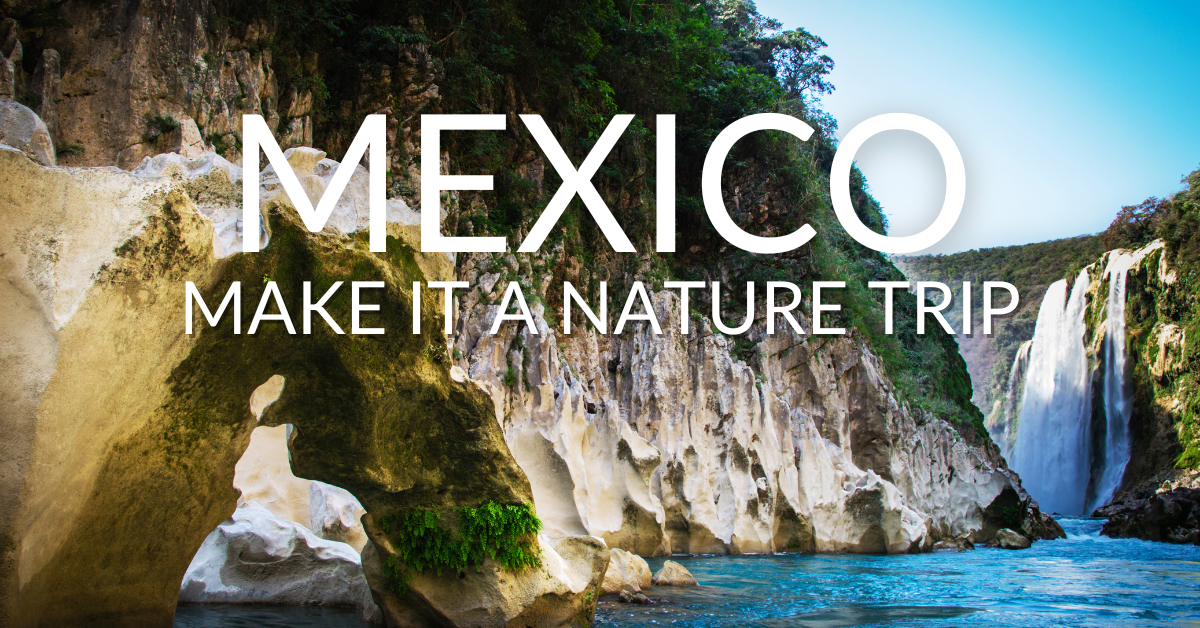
(673, 574)
(625, 571)
(664, 444)
(264, 476)
(336, 515)
(256, 557)
(23, 130)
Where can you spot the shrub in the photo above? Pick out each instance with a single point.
(1135, 225)
(158, 125)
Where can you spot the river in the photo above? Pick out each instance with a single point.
(1083, 580)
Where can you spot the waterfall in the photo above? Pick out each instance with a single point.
(1118, 403)
(1053, 448)
(1005, 417)
(1052, 453)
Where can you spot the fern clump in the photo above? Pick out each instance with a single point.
(505, 533)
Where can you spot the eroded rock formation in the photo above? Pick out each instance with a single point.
(259, 558)
(665, 444)
(95, 262)
(290, 541)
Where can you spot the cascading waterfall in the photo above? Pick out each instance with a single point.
(1053, 447)
(1002, 423)
(1052, 451)
(1118, 403)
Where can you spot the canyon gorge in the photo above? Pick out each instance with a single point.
(466, 478)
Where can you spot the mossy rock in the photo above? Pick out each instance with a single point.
(378, 415)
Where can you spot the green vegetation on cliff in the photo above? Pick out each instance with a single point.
(504, 533)
(1166, 379)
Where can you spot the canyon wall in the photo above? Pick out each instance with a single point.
(122, 431)
(667, 443)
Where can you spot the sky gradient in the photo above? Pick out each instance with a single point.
(1063, 111)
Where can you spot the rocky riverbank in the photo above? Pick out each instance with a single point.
(1169, 513)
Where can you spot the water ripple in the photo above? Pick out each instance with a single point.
(1085, 580)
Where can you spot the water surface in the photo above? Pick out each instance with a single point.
(265, 616)
(1084, 580)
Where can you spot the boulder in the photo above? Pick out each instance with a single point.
(962, 544)
(561, 591)
(625, 571)
(184, 139)
(258, 558)
(1039, 525)
(1016, 510)
(629, 596)
(23, 130)
(1008, 539)
(673, 574)
(1170, 516)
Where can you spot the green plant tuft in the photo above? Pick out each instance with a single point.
(504, 533)
(158, 125)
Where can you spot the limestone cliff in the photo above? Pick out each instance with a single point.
(667, 443)
(122, 432)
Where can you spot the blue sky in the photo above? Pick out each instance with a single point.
(1063, 111)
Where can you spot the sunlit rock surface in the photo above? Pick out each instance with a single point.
(664, 444)
(673, 574)
(117, 422)
(625, 571)
(264, 477)
(256, 557)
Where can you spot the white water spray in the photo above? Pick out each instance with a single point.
(1005, 418)
(1052, 451)
(1118, 403)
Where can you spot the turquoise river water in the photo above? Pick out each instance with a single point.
(1084, 580)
